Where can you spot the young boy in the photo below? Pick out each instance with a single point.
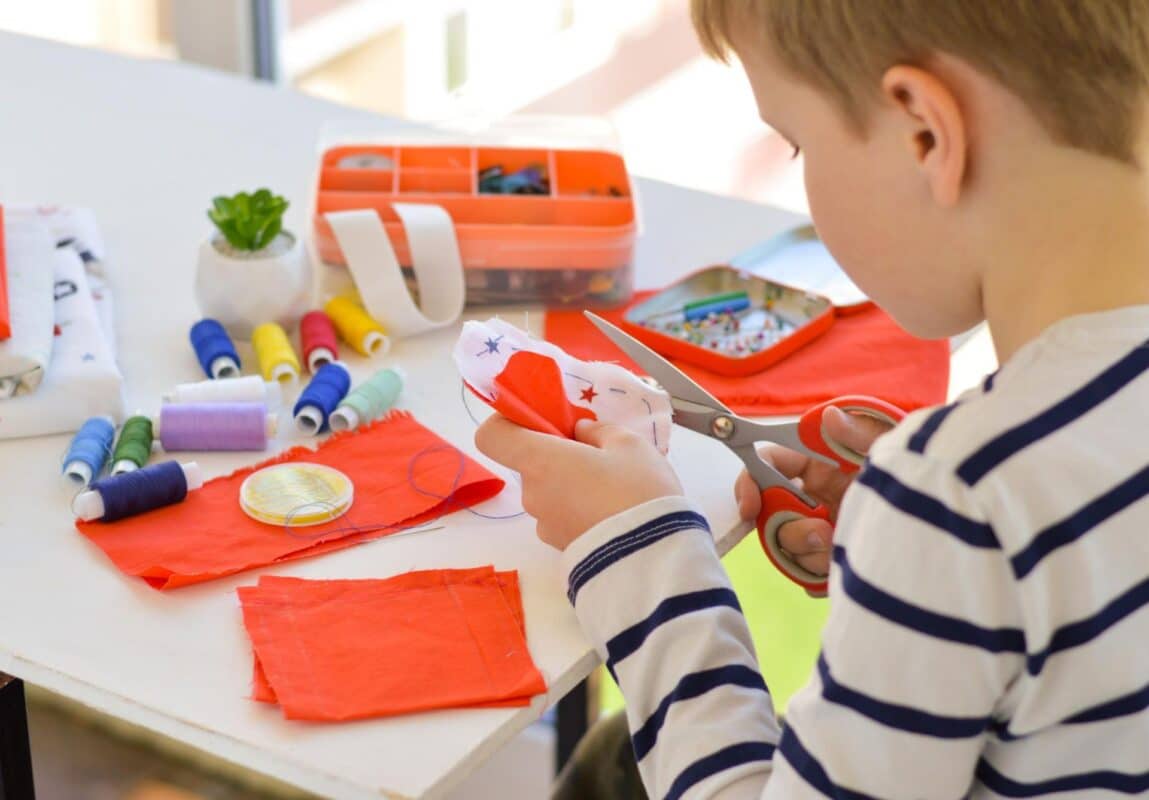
(989, 587)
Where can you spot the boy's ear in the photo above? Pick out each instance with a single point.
(938, 135)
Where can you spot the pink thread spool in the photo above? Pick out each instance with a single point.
(317, 335)
(214, 426)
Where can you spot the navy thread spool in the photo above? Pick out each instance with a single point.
(89, 450)
(131, 493)
(214, 349)
(321, 397)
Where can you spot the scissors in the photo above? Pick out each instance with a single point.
(782, 501)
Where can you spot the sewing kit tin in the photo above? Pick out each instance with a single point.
(544, 210)
(728, 320)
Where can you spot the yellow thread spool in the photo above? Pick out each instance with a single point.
(356, 327)
(296, 494)
(277, 360)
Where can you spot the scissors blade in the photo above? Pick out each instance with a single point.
(669, 377)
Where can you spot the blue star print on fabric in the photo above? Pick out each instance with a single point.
(492, 346)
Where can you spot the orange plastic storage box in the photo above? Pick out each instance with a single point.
(569, 244)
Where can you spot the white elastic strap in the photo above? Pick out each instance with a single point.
(435, 260)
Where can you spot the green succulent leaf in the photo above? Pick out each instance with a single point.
(248, 220)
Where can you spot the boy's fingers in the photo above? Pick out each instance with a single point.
(599, 434)
(511, 445)
(749, 497)
(789, 462)
(855, 431)
(806, 537)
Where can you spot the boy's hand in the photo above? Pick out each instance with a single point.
(809, 540)
(571, 486)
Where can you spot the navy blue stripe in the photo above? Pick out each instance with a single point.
(1124, 706)
(930, 623)
(1121, 782)
(928, 509)
(629, 640)
(804, 763)
(903, 718)
(1057, 416)
(727, 758)
(692, 685)
(1078, 633)
(647, 534)
(921, 437)
(1080, 522)
(987, 384)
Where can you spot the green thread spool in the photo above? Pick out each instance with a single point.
(370, 400)
(134, 447)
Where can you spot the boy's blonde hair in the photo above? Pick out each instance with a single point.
(1081, 66)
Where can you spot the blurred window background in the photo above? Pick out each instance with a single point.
(680, 117)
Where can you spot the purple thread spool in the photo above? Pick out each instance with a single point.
(215, 426)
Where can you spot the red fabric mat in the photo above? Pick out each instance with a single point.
(334, 650)
(862, 353)
(404, 475)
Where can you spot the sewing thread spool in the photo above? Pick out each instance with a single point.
(134, 447)
(317, 336)
(370, 400)
(132, 493)
(248, 389)
(214, 349)
(277, 360)
(356, 327)
(321, 397)
(214, 426)
(89, 450)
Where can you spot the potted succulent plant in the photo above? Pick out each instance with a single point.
(250, 270)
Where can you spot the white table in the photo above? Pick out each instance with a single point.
(147, 145)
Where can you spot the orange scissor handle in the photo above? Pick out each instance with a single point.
(813, 434)
(780, 506)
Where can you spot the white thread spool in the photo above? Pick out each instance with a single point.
(89, 505)
(248, 389)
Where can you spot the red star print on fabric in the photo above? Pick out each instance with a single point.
(589, 394)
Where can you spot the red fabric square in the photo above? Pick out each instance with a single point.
(350, 649)
(404, 475)
(862, 353)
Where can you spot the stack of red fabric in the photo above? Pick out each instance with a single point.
(332, 650)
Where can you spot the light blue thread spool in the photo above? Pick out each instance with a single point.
(89, 450)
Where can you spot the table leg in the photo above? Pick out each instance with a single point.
(572, 718)
(15, 751)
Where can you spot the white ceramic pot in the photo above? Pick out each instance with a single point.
(244, 289)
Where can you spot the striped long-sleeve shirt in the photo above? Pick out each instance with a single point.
(989, 605)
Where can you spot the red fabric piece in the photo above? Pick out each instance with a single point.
(351, 649)
(862, 353)
(530, 393)
(404, 475)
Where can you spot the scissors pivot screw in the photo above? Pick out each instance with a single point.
(723, 427)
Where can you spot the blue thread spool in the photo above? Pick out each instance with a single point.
(132, 493)
(89, 450)
(321, 397)
(214, 349)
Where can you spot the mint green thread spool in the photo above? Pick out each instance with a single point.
(134, 447)
(367, 401)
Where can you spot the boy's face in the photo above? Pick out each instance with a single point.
(871, 205)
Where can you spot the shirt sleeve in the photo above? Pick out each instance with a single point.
(908, 686)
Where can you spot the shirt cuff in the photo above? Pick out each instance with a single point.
(626, 531)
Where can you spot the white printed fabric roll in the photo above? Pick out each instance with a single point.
(29, 255)
(81, 379)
